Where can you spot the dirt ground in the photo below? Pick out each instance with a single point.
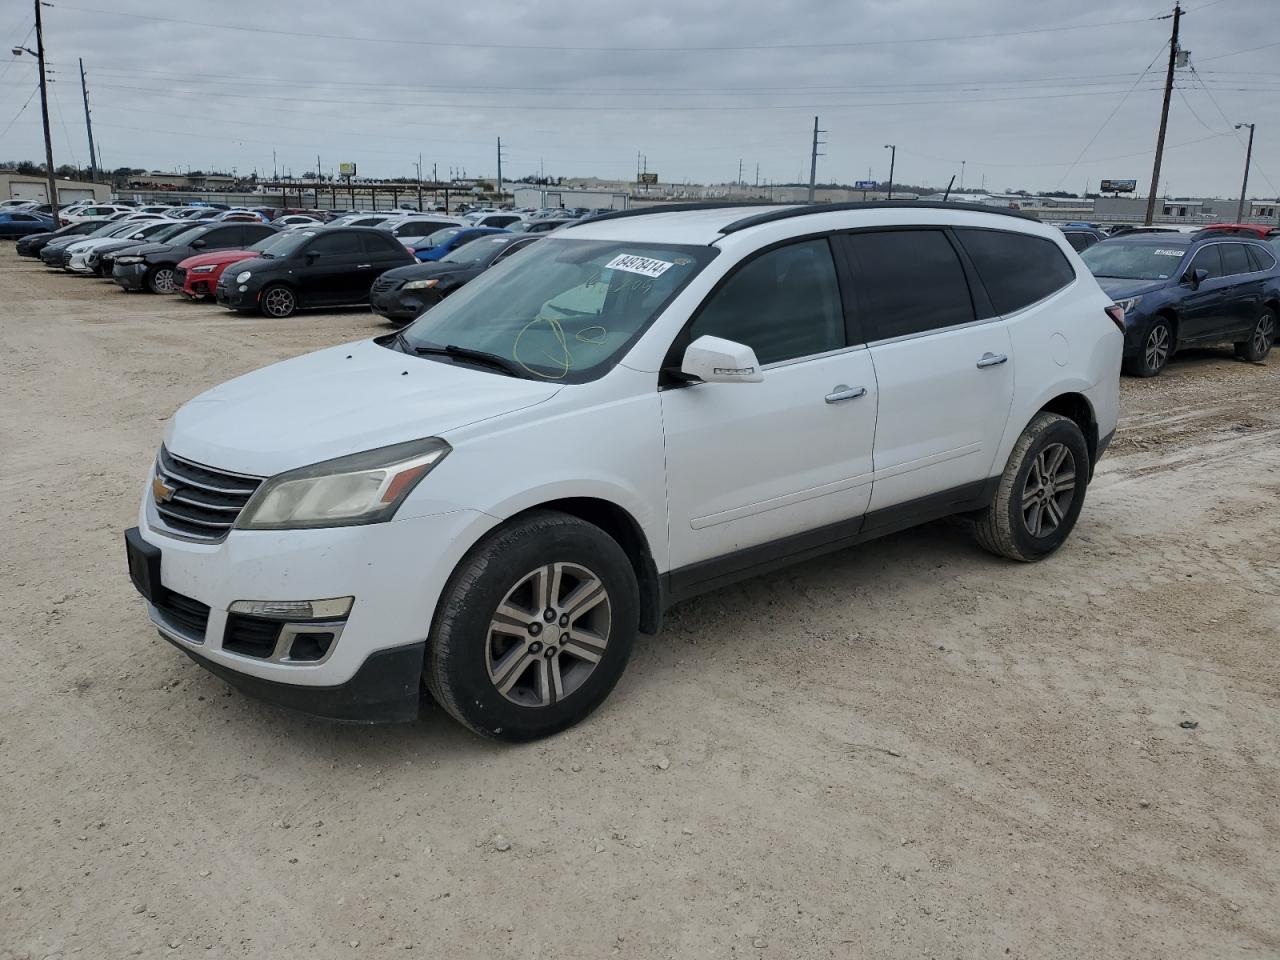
(909, 749)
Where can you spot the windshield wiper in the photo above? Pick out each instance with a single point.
(475, 356)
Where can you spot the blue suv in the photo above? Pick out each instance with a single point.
(1180, 290)
(449, 239)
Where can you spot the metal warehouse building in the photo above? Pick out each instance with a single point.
(16, 186)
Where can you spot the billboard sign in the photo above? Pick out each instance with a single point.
(1118, 186)
(347, 170)
(647, 178)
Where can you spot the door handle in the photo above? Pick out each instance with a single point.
(363, 266)
(992, 360)
(843, 391)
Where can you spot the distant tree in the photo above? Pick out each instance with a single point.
(27, 168)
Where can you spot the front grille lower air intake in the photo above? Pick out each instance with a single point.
(203, 502)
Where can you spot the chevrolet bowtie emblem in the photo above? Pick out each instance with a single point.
(162, 492)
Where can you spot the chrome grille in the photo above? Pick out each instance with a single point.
(205, 502)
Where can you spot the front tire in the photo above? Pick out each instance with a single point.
(1040, 493)
(161, 280)
(1157, 347)
(1256, 348)
(534, 628)
(278, 301)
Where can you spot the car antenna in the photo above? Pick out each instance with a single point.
(948, 193)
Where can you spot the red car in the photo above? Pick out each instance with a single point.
(1260, 230)
(197, 276)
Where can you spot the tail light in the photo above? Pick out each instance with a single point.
(1116, 313)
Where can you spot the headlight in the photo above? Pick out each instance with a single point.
(128, 260)
(1128, 304)
(420, 284)
(362, 488)
(207, 268)
(243, 275)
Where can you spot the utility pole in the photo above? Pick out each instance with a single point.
(1248, 157)
(739, 171)
(813, 160)
(44, 112)
(419, 183)
(1164, 116)
(893, 156)
(275, 173)
(88, 125)
(319, 175)
(499, 170)
(962, 176)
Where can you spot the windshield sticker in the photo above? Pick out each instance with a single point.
(1169, 253)
(642, 265)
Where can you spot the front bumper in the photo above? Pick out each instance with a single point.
(403, 306)
(395, 571)
(197, 286)
(130, 276)
(230, 296)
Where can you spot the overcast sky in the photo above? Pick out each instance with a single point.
(581, 86)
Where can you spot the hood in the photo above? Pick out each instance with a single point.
(1118, 289)
(112, 245)
(217, 258)
(338, 401)
(148, 247)
(425, 271)
(82, 246)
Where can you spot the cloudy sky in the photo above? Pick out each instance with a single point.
(1028, 93)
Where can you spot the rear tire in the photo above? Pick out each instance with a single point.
(506, 669)
(1256, 348)
(1157, 347)
(1040, 493)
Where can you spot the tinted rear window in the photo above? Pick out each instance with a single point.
(908, 281)
(1234, 259)
(1017, 269)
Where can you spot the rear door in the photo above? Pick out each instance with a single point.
(1203, 312)
(945, 375)
(751, 463)
(1243, 293)
(224, 238)
(382, 253)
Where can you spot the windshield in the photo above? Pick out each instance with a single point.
(167, 231)
(477, 251)
(285, 243)
(563, 310)
(442, 236)
(107, 231)
(267, 242)
(1134, 261)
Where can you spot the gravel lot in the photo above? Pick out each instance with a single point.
(909, 749)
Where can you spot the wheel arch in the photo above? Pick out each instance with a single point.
(618, 523)
(1171, 314)
(1077, 408)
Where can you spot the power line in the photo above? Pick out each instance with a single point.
(34, 91)
(1236, 53)
(489, 45)
(1229, 122)
(1116, 109)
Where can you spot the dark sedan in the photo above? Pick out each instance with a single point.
(1179, 290)
(331, 266)
(403, 294)
(33, 243)
(152, 266)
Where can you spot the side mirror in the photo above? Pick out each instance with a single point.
(197, 243)
(1195, 278)
(716, 360)
(312, 258)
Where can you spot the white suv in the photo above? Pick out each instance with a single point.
(496, 499)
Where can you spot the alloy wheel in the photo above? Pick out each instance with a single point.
(1157, 348)
(278, 302)
(1263, 335)
(548, 634)
(163, 281)
(1049, 490)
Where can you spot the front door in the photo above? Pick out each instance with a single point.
(751, 463)
(1204, 308)
(331, 269)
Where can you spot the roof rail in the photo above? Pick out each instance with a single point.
(812, 208)
(673, 208)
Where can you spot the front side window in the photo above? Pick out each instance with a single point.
(783, 304)
(565, 310)
(1016, 269)
(1208, 259)
(909, 281)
